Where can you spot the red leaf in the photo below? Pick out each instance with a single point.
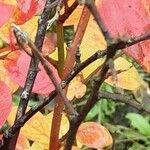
(129, 17)
(50, 43)
(5, 102)
(27, 9)
(6, 12)
(17, 69)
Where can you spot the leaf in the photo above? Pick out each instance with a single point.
(5, 102)
(26, 5)
(28, 27)
(12, 2)
(76, 88)
(22, 143)
(73, 148)
(128, 78)
(139, 122)
(74, 17)
(6, 12)
(23, 11)
(18, 69)
(64, 127)
(37, 146)
(5, 78)
(50, 43)
(26, 10)
(94, 135)
(137, 146)
(93, 40)
(39, 125)
(131, 18)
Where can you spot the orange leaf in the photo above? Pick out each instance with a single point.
(76, 88)
(5, 102)
(26, 9)
(94, 135)
(22, 143)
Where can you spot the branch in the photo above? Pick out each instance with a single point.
(62, 18)
(22, 120)
(91, 6)
(117, 98)
(99, 54)
(111, 50)
(71, 51)
(123, 99)
(10, 143)
(25, 40)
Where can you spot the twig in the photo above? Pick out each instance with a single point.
(91, 6)
(123, 99)
(99, 54)
(62, 18)
(112, 48)
(25, 40)
(70, 57)
(78, 57)
(21, 121)
(10, 143)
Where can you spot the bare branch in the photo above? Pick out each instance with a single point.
(25, 40)
(10, 143)
(99, 54)
(123, 99)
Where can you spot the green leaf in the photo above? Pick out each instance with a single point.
(16, 100)
(148, 148)
(139, 122)
(93, 112)
(137, 146)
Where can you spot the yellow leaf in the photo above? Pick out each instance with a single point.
(76, 88)
(37, 146)
(93, 41)
(128, 78)
(64, 123)
(74, 17)
(4, 31)
(12, 2)
(38, 127)
(28, 27)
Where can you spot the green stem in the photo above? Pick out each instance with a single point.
(60, 45)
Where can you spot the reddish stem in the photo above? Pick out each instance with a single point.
(70, 58)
